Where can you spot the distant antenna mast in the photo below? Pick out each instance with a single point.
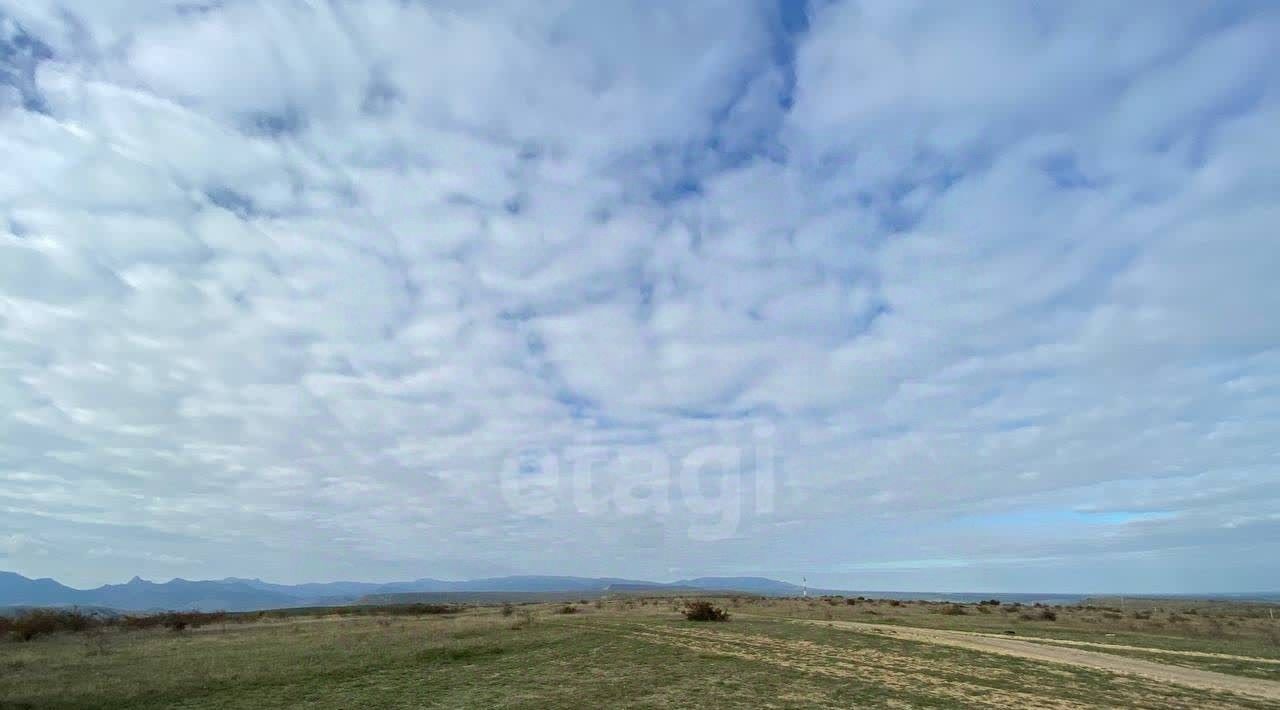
(806, 586)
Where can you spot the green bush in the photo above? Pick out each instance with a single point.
(704, 611)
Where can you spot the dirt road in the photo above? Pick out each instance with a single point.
(1189, 677)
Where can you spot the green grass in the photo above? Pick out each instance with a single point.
(642, 658)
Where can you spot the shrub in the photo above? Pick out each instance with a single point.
(567, 609)
(40, 622)
(851, 602)
(425, 609)
(894, 602)
(1048, 615)
(508, 610)
(704, 611)
(31, 625)
(953, 610)
(28, 625)
(982, 609)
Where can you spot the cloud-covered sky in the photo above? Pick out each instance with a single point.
(974, 295)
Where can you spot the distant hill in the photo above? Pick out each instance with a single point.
(755, 585)
(239, 594)
(141, 595)
(16, 590)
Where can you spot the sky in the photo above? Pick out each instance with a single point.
(885, 295)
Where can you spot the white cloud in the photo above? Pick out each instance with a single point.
(283, 287)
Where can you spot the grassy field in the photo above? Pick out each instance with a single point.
(633, 653)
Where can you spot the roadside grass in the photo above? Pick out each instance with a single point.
(932, 664)
(1235, 630)
(1230, 666)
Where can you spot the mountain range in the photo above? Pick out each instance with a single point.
(237, 594)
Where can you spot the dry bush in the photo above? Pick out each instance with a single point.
(424, 609)
(851, 601)
(526, 619)
(41, 622)
(953, 610)
(894, 602)
(983, 609)
(704, 611)
(1048, 615)
(176, 621)
(508, 610)
(567, 609)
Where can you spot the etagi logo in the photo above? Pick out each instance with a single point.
(709, 488)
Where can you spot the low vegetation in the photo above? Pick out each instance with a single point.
(624, 652)
(30, 624)
(704, 611)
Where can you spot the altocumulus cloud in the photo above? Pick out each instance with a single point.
(286, 286)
